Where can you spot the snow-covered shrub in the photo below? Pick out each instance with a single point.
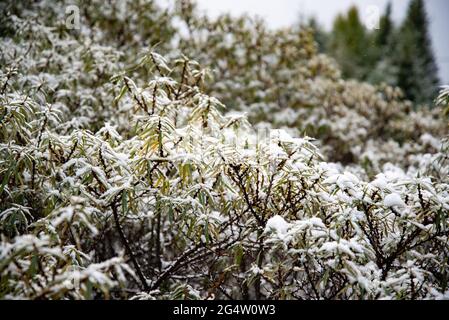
(125, 173)
(443, 98)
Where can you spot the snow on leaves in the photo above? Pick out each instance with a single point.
(145, 183)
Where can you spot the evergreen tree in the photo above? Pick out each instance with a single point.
(417, 69)
(351, 45)
(386, 28)
(384, 70)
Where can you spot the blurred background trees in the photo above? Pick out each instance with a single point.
(350, 43)
(396, 55)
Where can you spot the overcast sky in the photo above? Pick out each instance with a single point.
(279, 13)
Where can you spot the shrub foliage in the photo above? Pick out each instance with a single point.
(131, 174)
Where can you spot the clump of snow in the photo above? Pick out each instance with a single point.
(428, 139)
(393, 200)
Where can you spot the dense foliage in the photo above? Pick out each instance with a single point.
(128, 171)
(397, 55)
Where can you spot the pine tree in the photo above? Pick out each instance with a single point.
(320, 35)
(352, 45)
(417, 69)
(384, 70)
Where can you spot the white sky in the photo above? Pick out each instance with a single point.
(279, 13)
